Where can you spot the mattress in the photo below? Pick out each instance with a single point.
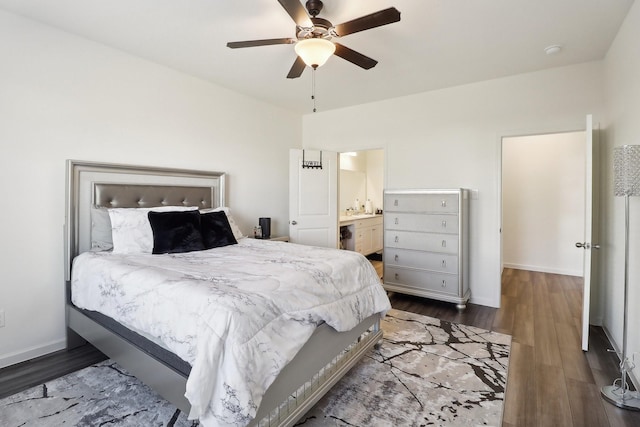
(236, 314)
(142, 341)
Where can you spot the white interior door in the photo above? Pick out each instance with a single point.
(590, 242)
(313, 198)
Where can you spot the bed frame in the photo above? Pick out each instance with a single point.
(326, 357)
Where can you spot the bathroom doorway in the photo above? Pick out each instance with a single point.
(360, 203)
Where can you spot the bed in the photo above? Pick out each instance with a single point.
(297, 377)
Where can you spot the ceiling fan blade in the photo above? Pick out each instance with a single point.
(376, 19)
(296, 69)
(297, 12)
(354, 57)
(266, 42)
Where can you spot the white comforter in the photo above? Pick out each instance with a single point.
(238, 314)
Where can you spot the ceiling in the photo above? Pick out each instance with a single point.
(437, 43)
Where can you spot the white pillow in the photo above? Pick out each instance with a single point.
(131, 231)
(100, 229)
(237, 233)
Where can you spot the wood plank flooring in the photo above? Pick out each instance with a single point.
(19, 377)
(551, 381)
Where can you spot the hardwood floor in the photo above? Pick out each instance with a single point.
(551, 381)
(27, 374)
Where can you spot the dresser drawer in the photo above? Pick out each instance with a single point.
(435, 223)
(433, 242)
(423, 280)
(432, 203)
(443, 263)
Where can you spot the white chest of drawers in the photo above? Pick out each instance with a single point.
(426, 241)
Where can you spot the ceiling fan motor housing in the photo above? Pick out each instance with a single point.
(322, 29)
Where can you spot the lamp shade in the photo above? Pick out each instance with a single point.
(315, 51)
(626, 170)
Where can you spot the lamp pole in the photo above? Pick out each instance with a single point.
(627, 183)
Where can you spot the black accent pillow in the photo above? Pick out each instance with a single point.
(176, 232)
(216, 230)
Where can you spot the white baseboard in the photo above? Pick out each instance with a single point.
(31, 353)
(540, 269)
(484, 301)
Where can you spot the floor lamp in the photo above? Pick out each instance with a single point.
(626, 166)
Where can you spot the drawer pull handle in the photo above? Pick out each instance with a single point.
(395, 202)
(444, 203)
(397, 276)
(396, 258)
(444, 283)
(444, 224)
(397, 239)
(396, 221)
(444, 262)
(444, 243)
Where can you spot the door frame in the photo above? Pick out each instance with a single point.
(384, 170)
(499, 141)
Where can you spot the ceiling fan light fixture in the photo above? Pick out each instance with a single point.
(314, 51)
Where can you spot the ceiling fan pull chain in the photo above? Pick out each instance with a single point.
(313, 88)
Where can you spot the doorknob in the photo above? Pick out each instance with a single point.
(587, 246)
(294, 222)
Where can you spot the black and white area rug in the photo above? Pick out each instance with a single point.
(428, 372)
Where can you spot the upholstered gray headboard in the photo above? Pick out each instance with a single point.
(92, 188)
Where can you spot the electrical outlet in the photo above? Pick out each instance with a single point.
(1, 318)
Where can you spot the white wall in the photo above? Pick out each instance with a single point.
(63, 97)
(622, 90)
(543, 199)
(451, 138)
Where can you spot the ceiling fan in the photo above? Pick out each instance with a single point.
(313, 35)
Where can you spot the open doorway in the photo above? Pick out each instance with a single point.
(543, 202)
(360, 200)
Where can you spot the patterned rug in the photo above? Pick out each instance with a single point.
(428, 372)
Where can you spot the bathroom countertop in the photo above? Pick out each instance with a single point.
(349, 218)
